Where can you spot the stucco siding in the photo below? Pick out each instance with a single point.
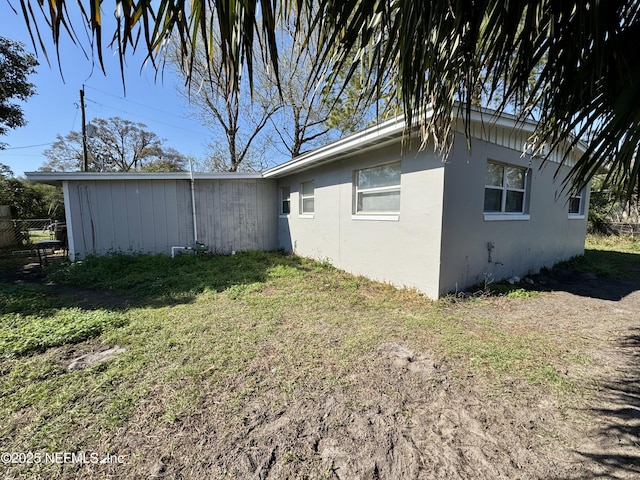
(519, 247)
(404, 251)
(151, 216)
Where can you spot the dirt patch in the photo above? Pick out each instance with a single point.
(405, 415)
(398, 423)
(584, 284)
(94, 358)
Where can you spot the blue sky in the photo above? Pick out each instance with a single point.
(54, 109)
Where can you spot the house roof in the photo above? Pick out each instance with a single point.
(504, 129)
(370, 138)
(56, 178)
(485, 125)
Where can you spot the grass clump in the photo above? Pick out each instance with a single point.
(24, 299)
(511, 291)
(24, 334)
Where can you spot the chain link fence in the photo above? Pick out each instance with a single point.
(625, 229)
(24, 233)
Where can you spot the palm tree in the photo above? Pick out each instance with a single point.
(441, 54)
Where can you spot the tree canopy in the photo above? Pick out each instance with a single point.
(235, 119)
(15, 67)
(27, 200)
(439, 53)
(116, 145)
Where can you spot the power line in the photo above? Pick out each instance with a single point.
(22, 155)
(133, 102)
(28, 146)
(154, 120)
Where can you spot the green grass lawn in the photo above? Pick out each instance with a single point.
(253, 325)
(611, 256)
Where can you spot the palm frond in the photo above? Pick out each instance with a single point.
(571, 64)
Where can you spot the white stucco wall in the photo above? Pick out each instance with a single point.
(521, 247)
(404, 252)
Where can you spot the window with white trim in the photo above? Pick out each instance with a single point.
(576, 205)
(506, 189)
(285, 200)
(377, 190)
(307, 198)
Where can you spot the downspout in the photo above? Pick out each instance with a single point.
(197, 246)
(193, 204)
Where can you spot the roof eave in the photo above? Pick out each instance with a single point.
(379, 135)
(57, 178)
(385, 133)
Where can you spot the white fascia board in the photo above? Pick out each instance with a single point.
(375, 136)
(56, 178)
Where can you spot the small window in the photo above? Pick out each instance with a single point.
(285, 200)
(576, 205)
(377, 189)
(307, 198)
(505, 189)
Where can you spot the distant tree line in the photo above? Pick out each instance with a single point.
(113, 145)
(30, 200)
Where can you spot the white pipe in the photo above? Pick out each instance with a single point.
(193, 204)
(175, 249)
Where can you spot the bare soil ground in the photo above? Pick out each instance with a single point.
(407, 414)
(403, 416)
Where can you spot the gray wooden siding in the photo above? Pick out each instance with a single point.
(151, 216)
(237, 215)
(521, 141)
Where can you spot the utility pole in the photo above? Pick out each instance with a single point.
(85, 166)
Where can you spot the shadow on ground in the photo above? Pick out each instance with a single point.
(585, 284)
(619, 435)
(601, 274)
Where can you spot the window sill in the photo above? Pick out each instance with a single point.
(284, 215)
(379, 218)
(576, 216)
(498, 217)
(306, 215)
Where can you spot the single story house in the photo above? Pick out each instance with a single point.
(371, 204)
